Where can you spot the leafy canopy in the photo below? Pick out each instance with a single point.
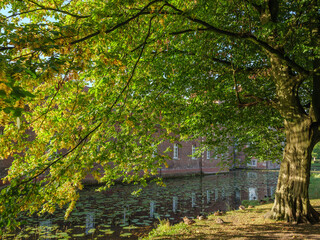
(156, 70)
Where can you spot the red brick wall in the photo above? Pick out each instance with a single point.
(185, 164)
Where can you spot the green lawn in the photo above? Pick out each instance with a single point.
(247, 224)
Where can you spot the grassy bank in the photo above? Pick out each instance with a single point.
(246, 224)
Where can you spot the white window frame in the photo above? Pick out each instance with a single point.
(155, 151)
(175, 151)
(193, 149)
(208, 154)
(252, 163)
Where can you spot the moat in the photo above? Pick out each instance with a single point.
(117, 214)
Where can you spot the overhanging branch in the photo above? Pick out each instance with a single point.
(5, 48)
(228, 64)
(245, 36)
(256, 102)
(188, 30)
(141, 12)
(82, 140)
(50, 9)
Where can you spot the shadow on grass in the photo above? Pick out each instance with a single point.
(265, 231)
(240, 225)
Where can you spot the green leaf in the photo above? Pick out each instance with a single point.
(31, 73)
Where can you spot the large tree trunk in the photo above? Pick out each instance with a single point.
(292, 197)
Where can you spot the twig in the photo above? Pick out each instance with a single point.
(98, 125)
(236, 85)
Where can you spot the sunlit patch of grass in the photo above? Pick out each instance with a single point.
(315, 165)
(314, 191)
(164, 228)
(239, 224)
(246, 203)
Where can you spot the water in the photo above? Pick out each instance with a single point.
(116, 214)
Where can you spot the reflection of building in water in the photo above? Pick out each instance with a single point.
(237, 194)
(192, 196)
(264, 185)
(252, 175)
(45, 229)
(222, 193)
(152, 208)
(270, 191)
(174, 204)
(89, 221)
(125, 209)
(216, 194)
(193, 199)
(208, 196)
(253, 193)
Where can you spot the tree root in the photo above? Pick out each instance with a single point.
(311, 217)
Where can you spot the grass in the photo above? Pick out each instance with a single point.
(164, 229)
(315, 166)
(247, 224)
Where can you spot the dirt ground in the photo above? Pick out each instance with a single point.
(246, 224)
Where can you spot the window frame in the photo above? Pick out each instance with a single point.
(193, 151)
(175, 151)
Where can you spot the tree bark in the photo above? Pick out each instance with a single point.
(292, 197)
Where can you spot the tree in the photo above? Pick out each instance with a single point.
(236, 72)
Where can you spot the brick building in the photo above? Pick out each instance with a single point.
(182, 160)
(184, 163)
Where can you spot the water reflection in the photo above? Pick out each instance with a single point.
(193, 200)
(252, 175)
(101, 213)
(253, 193)
(216, 195)
(124, 215)
(89, 221)
(174, 204)
(45, 229)
(237, 194)
(208, 196)
(152, 207)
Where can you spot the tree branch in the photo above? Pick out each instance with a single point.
(257, 7)
(85, 38)
(188, 30)
(316, 91)
(141, 12)
(258, 100)
(51, 9)
(225, 62)
(133, 17)
(98, 125)
(274, 9)
(236, 86)
(30, 11)
(245, 36)
(5, 48)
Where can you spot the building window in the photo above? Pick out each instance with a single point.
(208, 154)
(194, 149)
(175, 151)
(252, 163)
(154, 152)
